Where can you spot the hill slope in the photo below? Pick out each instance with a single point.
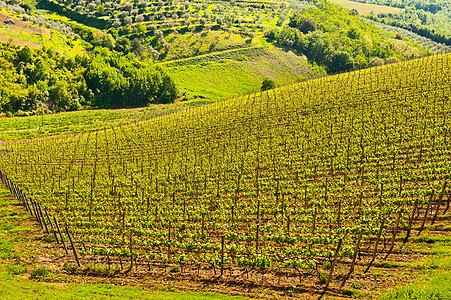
(305, 183)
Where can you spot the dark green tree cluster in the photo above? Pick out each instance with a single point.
(31, 79)
(268, 84)
(333, 37)
(121, 81)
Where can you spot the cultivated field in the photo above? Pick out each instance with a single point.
(366, 8)
(302, 188)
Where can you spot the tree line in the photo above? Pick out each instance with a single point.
(31, 79)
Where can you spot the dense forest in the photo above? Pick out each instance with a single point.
(31, 79)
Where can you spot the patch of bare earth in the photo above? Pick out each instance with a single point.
(21, 27)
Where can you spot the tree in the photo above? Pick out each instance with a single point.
(128, 21)
(268, 84)
(341, 61)
(117, 23)
(139, 18)
(319, 48)
(103, 39)
(137, 47)
(308, 25)
(37, 94)
(305, 25)
(25, 55)
(58, 94)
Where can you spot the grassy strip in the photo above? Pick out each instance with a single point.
(16, 287)
(31, 127)
(435, 273)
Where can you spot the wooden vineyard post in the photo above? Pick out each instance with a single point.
(439, 202)
(184, 207)
(30, 206)
(332, 268)
(395, 232)
(131, 250)
(354, 257)
(426, 212)
(147, 205)
(232, 215)
(90, 199)
(60, 234)
(375, 245)
(258, 224)
(169, 240)
(43, 219)
(73, 247)
(222, 255)
(203, 222)
(112, 184)
(26, 203)
(67, 196)
(325, 190)
(448, 203)
(33, 210)
(409, 229)
(36, 212)
(51, 226)
(288, 225)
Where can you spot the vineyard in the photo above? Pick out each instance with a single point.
(302, 184)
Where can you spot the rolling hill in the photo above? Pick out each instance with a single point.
(304, 188)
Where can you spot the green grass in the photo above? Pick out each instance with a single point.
(64, 44)
(435, 272)
(19, 36)
(31, 127)
(237, 72)
(14, 287)
(436, 287)
(28, 34)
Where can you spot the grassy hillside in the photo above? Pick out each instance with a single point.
(237, 72)
(298, 189)
(27, 34)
